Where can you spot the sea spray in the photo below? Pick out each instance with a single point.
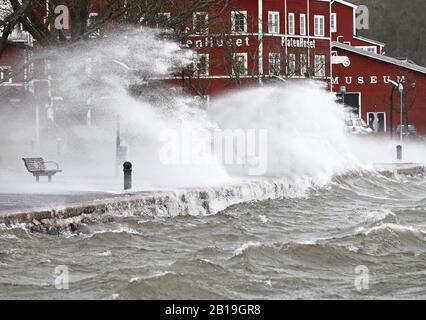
(295, 131)
(94, 84)
(306, 136)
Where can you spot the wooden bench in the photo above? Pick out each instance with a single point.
(38, 167)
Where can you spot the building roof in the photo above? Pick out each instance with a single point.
(400, 63)
(370, 40)
(346, 3)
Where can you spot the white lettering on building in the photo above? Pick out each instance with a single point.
(361, 80)
(297, 43)
(211, 42)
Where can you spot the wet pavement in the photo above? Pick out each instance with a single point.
(21, 192)
(15, 202)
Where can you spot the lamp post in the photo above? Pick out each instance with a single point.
(37, 124)
(400, 86)
(342, 91)
(117, 146)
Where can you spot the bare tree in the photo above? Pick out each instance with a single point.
(409, 99)
(87, 16)
(95, 18)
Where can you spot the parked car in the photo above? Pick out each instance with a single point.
(408, 131)
(355, 125)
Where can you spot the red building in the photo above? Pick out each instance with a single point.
(361, 67)
(344, 29)
(15, 68)
(248, 42)
(253, 41)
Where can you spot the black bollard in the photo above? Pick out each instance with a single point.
(399, 152)
(127, 170)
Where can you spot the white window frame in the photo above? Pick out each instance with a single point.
(274, 23)
(303, 24)
(273, 58)
(367, 48)
(318, 22)
(320, 72)
(194, 19)
(291, 23)
(240, 54)
(2, 75)
(333, 27)
(97, 32)
(233, 25)
(303, 64)
(207, 56)
(167, 15)
(91, 15)
(291, 68)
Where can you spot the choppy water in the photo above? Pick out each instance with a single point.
(299, 247)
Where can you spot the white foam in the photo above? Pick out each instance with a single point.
(107, 253)
(396, 228)
(263, 218)
(245, 246)
(154, 275)
(268, 283)
(122, 229)
(380, 215)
